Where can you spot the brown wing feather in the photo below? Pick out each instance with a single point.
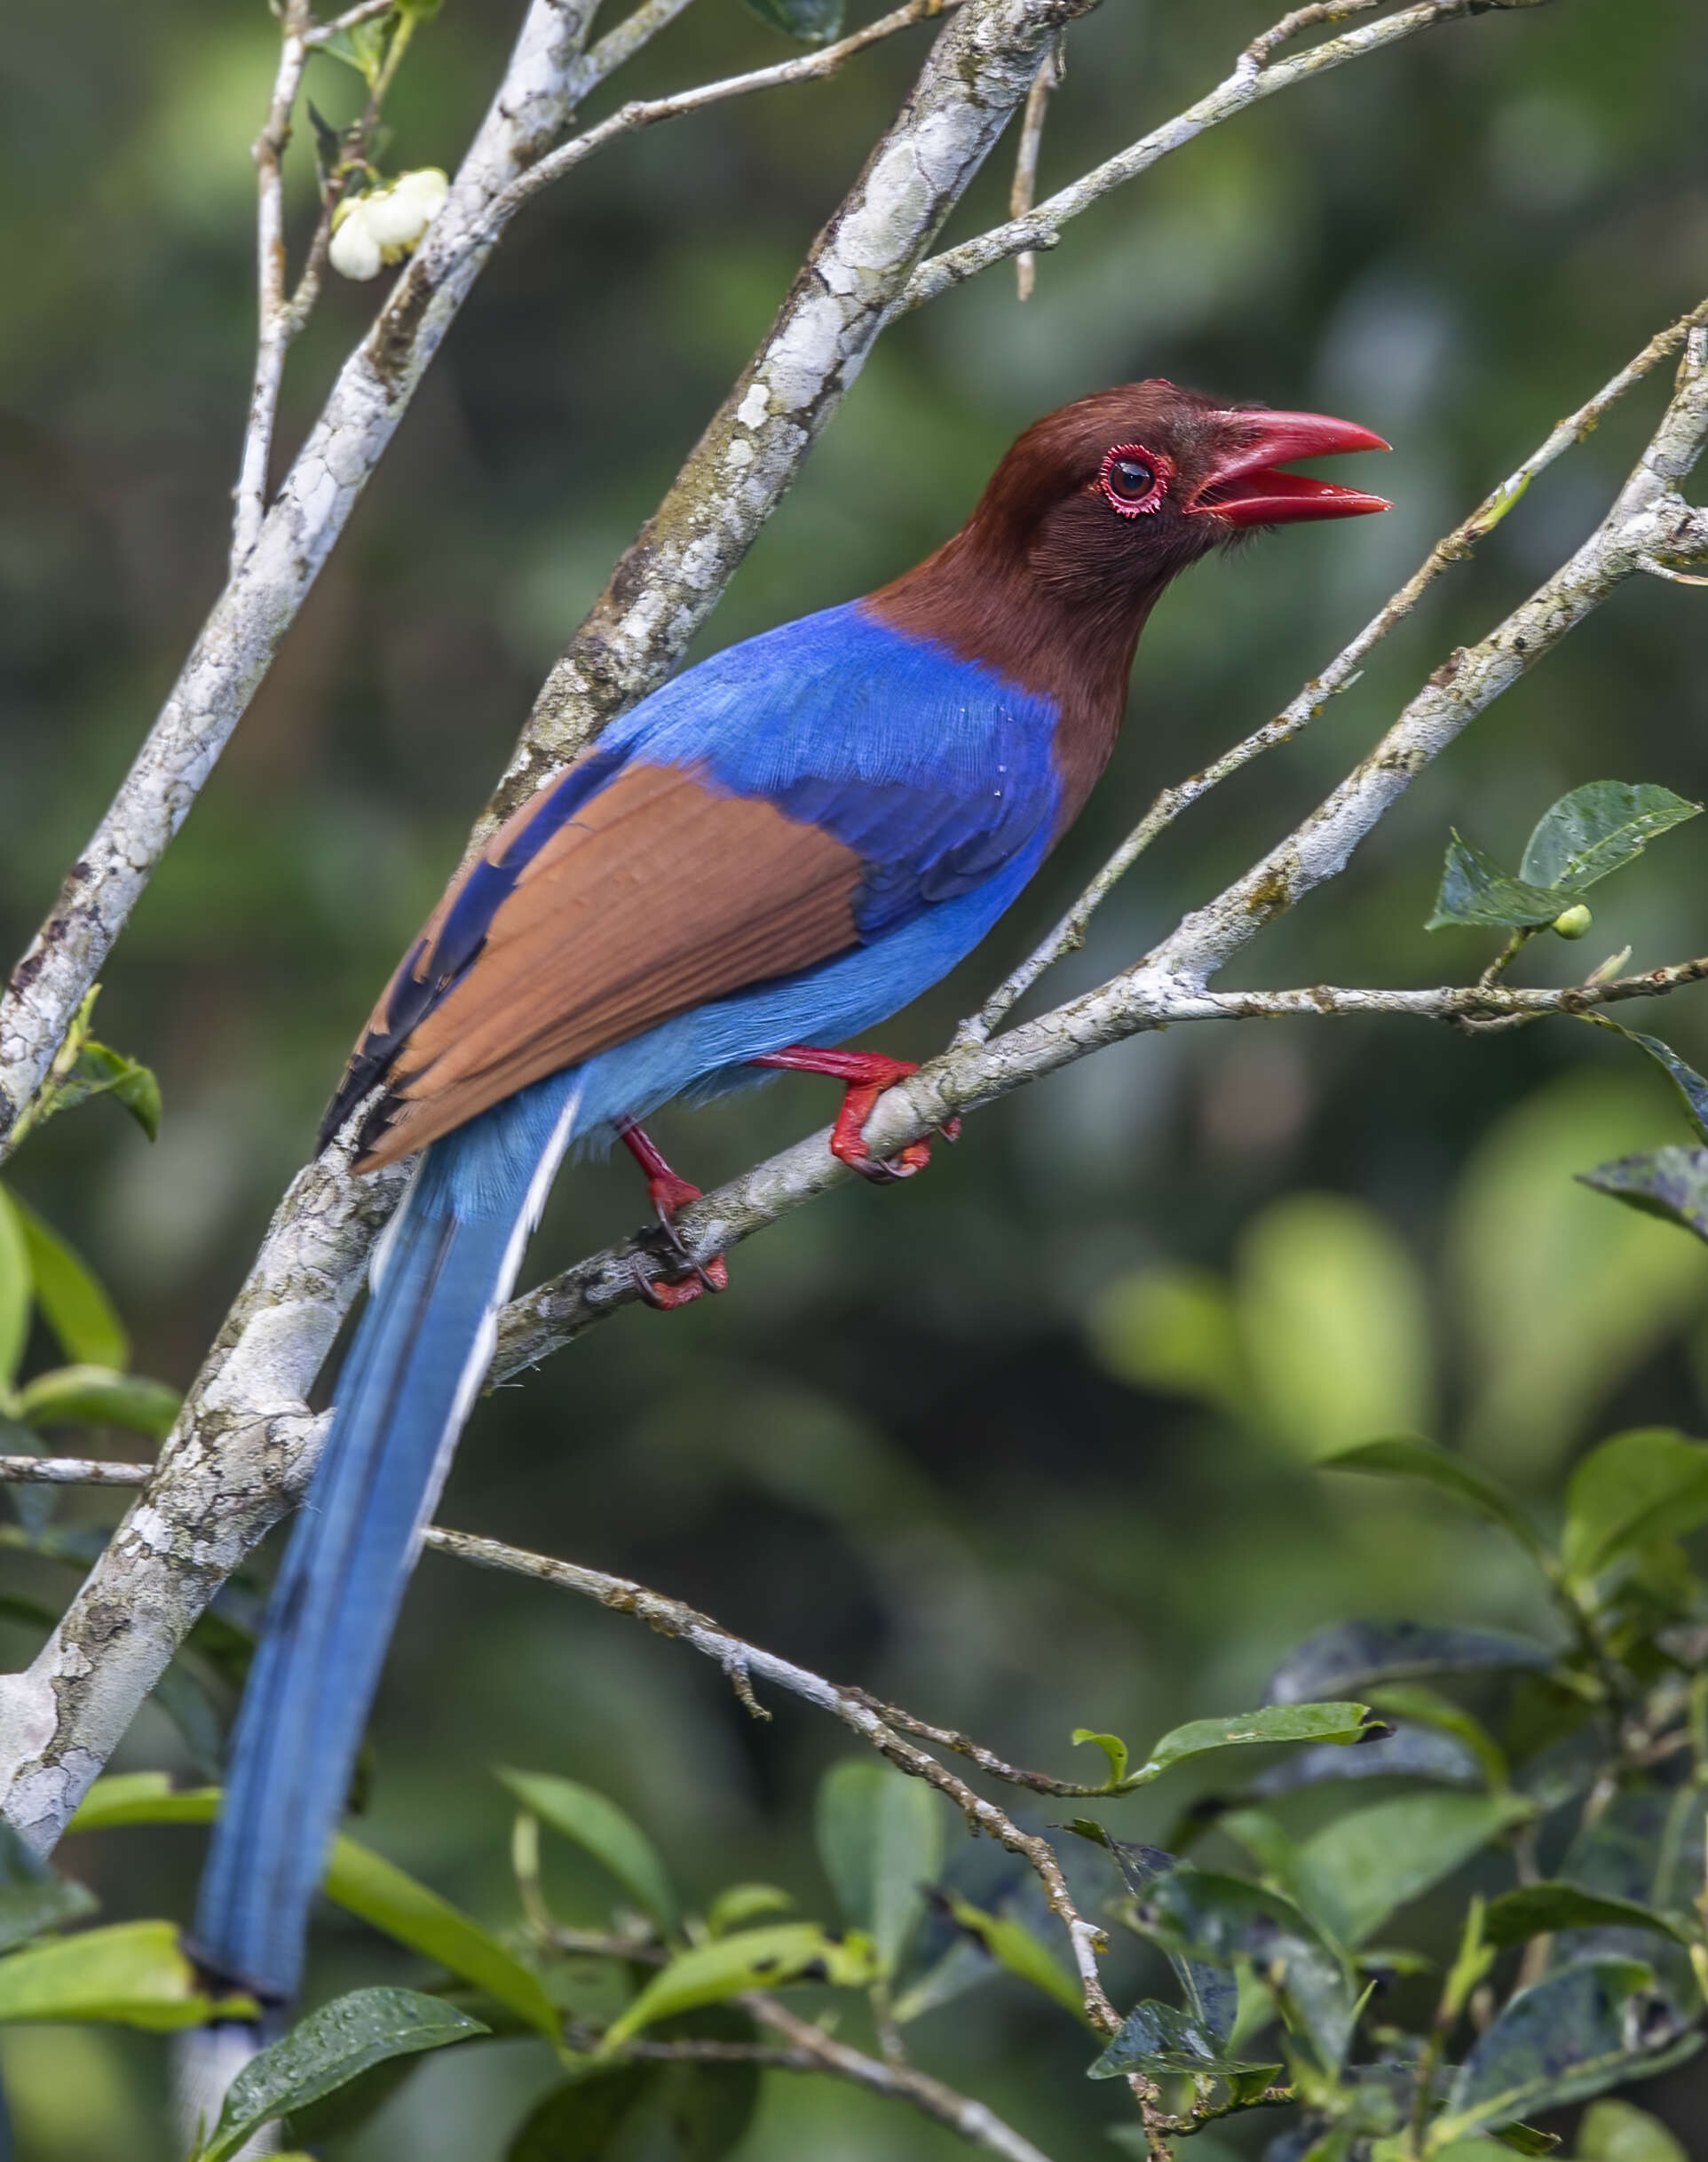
(658, 895)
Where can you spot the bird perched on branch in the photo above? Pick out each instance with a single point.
(772, 853)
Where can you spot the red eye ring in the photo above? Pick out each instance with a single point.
(1121, 499)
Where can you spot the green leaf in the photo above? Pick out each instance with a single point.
(578, 2121)
(1350, 1656)
(1671, 1183)
(362, 47)
(1198, 1914)
(1339, 1723)
(597, 1825)
(132, 1974)
(70, 1295)
(1354, 1872)
(1538, 1910)
(32, 1897)
(143, 1798)
(1159, 2040)
(750, 1959)
(1692, 1088)
(1427, 1707)
(1561, 2040)
(101, 1071)
(1112, 1747)
(14, 1290)
(1649, 1483)
(1170, 1328)
(1615, 2132)
(1212, 1994)
(880, 1837)
(709, 2107)
(814, 21)
(1475, 890)
(740, 1902)
(180, 1694)
(98, 1395)
(1410, 1456)
(327, 2049)
(1599, 828)
(363, 1884)
(1012, 1945)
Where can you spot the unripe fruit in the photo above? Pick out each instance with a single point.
(1573, 923)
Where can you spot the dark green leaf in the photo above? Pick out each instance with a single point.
(594, 1823)
(881, 1840)
(1692, 1089)
(97, 1396)
(70, 1295)
(577, 2121)
(709, 2107)
(1538, 1910)
(1159, 2040)
(1475, 890)
(749, 1958)
(1352, 1656)
(1615, 2132)
(34, 1501)
(330, 2048)
(1212, 1994)
(1646, 1846)
(1599, 828)
(1341, 1723)
(1200, 1915)
(363, 1884)
(1427, 1707)
(1649, 1483)
(814, 21)
(14, 1290)
(1354, 1872)
(133, 1973)
(1411, 1753)
(347, 2108)
(1670, 1183)
(1561, 2040)
(1410, 1456)
(362, 47)
(1014, 1946)
(32, 1899)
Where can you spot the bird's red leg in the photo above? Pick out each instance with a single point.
(865, 1075)
(670, 1192)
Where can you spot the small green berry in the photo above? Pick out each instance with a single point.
(1573, 923)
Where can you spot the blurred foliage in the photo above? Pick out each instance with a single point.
(923, 1444)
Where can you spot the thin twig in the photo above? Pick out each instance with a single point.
(274, 322)
(323, 32)
(1246, 86)
(1262, 48)
(1340, 674)
(647, 112)
(1023, 192)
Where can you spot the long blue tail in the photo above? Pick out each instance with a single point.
(423, 1344)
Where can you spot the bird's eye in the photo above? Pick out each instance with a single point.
(1134, 479)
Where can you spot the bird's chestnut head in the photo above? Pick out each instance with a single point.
(1116, 494)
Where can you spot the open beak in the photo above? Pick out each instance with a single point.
(1248, 488)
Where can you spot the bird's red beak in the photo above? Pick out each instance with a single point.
(1246, 487)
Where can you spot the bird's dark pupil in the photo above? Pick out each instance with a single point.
(1131, 478)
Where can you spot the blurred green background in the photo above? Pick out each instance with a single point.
(1024, 1445)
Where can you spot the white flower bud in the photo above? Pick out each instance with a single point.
(354, 252)
(398, 214)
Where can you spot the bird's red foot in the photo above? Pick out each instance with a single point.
(865, 1076)
(684, 1279)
